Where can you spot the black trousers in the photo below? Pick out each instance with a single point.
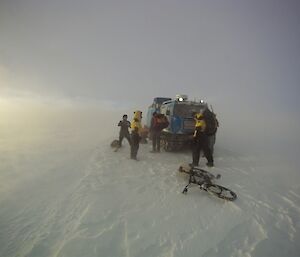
(134, 150)
(211, 143)
(199, 144)
(156, 140)
(122, 135)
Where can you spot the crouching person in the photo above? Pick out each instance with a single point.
(135, 143)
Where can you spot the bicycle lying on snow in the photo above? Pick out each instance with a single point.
(204, 179)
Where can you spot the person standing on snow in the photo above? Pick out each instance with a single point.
(158, 123)
(211, 128)
(200, 142)
(135, 143)
(124, 125)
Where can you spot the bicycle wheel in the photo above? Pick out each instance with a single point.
(221, 192)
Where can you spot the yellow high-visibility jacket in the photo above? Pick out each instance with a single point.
(199, 127)
(136, 122)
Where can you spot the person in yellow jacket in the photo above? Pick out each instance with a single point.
(137, 121)
(200, 142)
(136, 129)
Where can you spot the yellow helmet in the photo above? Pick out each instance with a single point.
(137, 115)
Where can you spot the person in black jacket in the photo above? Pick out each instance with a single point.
(124, 130)
(212, 125)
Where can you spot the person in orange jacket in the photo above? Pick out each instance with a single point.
(158, 123)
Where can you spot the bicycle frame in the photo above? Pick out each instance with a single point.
(204, 179)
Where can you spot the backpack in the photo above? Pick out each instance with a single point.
(211, 123)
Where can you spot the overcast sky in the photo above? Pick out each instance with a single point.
(129, 51)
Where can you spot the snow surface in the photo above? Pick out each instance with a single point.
(64, 192)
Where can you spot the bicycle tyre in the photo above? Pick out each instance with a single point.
(221, 192)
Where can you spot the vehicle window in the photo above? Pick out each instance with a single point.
(184, 110)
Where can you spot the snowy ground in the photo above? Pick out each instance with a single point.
(64, 192)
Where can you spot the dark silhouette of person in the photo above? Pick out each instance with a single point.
(124, 125)
(158, 123)
(135, 143)
(200, 142)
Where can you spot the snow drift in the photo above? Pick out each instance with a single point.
(64, 192)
